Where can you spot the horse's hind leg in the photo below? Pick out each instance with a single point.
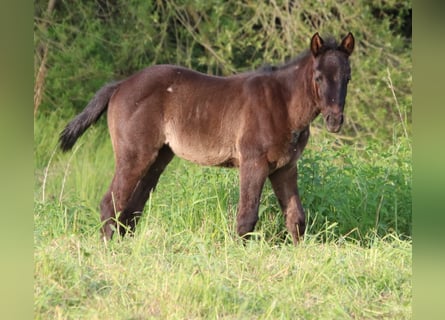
(132, 170)
(132, 212)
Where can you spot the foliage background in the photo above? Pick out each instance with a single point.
(89, 43)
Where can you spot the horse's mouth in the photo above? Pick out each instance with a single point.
(334, 123)
(335, 129)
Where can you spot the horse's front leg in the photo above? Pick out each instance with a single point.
(284, 184)
(253, 174)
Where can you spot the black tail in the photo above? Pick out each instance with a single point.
(92, 112)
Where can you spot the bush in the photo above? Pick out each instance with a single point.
(91, 43)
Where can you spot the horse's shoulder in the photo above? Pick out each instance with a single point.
(262, 84)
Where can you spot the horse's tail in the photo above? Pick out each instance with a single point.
(92, 112)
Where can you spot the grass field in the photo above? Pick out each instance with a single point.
(185, 260)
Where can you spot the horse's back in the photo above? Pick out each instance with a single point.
(202, 118)
(197, 115)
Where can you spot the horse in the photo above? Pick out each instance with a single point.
(256, 121)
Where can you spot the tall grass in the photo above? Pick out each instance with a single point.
(186, 261)
(354, 190)
(183, 275)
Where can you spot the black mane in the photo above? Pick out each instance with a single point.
(329, 44)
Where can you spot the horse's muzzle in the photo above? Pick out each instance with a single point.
(334, 122)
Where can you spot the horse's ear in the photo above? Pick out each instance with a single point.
(316, 44)
(347, 44)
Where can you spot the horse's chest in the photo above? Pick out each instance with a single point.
(292, 151)
(295, 135)
(298, 142)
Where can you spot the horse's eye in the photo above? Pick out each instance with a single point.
(318, 79)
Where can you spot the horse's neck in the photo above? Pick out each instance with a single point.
(301, 96)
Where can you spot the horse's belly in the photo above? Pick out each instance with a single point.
(204, 156)
(203, 150)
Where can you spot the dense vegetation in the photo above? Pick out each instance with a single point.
(185, 256)
(90, 43)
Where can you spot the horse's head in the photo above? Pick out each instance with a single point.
(330, 78)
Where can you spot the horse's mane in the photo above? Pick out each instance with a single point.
(328, 44)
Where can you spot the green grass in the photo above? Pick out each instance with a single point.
(185, 275)
(185, 260)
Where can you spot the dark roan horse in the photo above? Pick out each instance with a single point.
(256, 121)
